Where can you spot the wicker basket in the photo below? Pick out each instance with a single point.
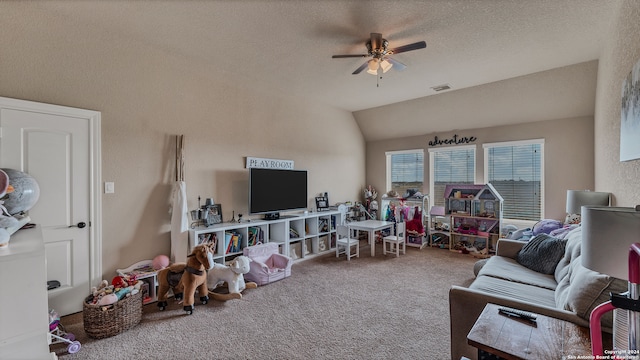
(104, 321)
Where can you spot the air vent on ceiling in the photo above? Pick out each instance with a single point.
(441, 87)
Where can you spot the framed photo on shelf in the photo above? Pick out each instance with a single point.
(322, 203)
(215, 213)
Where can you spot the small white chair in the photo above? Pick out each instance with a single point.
(400, 238)
(344, 242)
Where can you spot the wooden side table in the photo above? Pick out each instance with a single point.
(513, 338)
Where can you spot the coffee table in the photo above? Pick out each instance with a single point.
(512, 338)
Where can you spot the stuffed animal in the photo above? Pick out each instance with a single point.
(546, 226)
(185, 278)
(233, 276)
(572, 219)
(106, 294)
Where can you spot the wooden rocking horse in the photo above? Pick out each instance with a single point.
(186, 278)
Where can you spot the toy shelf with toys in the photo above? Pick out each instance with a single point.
(413, 211)
(299, 236)
(474, 214)
(143, 271)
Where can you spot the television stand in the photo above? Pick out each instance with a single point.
(300, 236)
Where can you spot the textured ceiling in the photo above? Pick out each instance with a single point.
(285, 46)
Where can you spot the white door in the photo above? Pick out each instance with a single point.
(59, 147)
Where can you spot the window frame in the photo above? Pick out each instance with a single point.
(541, 142)
(432, 176)
(388, 155)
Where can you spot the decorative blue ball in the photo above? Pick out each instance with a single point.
(25, 194)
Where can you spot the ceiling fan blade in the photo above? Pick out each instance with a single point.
(396, 64)
(362, 67)
(408, 47)
(376, 41)
(348, 56)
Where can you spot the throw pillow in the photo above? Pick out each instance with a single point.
(583, 289)
(542, 253)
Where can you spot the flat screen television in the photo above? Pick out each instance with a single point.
(275, 190)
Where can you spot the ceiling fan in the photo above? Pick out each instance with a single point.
(377, 49)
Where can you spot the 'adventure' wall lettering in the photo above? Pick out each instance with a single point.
(453, 141)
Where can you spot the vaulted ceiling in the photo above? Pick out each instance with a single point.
(286, 46)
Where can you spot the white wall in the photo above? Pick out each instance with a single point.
(620, 55)
(568, 157)
(147, 96)
(566, 125)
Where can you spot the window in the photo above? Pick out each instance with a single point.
(453, 165)
(516, 171)
(405, 170)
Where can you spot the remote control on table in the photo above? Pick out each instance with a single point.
(518, 313)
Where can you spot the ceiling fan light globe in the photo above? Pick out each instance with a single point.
(373, 65)
(385, 65)
(372, 72)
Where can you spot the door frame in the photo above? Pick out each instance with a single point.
(95, 171)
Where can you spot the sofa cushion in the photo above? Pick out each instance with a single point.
(542, 253)
(505, 268)
(514, 290)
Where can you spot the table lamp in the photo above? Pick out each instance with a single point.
(610, 235)
(576, 199)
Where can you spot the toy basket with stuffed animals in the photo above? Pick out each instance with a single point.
(102, 321)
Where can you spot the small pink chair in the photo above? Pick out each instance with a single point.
(267, 264)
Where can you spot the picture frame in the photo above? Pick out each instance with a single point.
(629, 116)
(214, 214)
(322, 203)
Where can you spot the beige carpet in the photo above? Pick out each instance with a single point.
(368, 308)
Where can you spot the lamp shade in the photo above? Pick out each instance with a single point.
(373, 66)
(578, 198)
(607, 234)
(385, 65)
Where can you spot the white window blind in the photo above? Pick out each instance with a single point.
(450, 166)
(515, 169)
(405, 170)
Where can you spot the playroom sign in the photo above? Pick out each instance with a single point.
(261, 163)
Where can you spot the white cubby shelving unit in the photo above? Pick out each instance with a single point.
(300, 236)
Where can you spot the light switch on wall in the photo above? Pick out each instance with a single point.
(109, 187)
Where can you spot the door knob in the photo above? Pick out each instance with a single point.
(80, 225)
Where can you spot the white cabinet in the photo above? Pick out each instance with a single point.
(24, 309)
(299, 236)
